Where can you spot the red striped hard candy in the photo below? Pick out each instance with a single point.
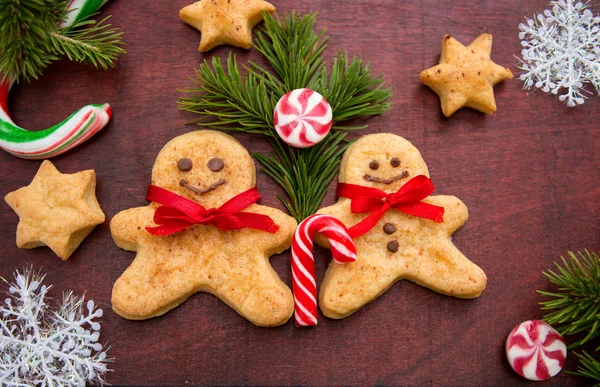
(535, 350)
(302, 118)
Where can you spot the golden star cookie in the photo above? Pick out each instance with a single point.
(399, 246)
(209, 168)
(56, 210)
(225, 21)
(465, 76)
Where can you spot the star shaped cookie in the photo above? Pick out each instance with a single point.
(225, 21)
(400, 246)
(210, 168)
(465, 76)
(56, 210)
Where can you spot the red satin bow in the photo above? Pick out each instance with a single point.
(407, 200)
(178, 213)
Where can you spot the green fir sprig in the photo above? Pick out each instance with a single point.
(224, 99)
(575, 308)
(31, 37)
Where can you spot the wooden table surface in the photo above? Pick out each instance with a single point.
(528, 173)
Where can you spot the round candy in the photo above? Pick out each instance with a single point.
(302, 118)
(535, 350)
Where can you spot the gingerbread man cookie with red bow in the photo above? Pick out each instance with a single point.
(203, 232)
(400, 231)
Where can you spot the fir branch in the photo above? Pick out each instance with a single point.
(294, 170)
(352, 92)
(576, 308)
(292, 48)
(24, 39)
(98, 44)
(227, 101)
(31, 38)
(224, 99)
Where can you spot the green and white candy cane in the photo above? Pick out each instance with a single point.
(76, 129)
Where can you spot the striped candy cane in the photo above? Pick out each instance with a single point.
(303, 263)
(76, 129)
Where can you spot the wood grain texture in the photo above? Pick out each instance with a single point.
(528, 173)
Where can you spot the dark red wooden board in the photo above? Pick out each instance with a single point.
(528, 173)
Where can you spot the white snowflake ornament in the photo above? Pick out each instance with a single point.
(40, 346)
(561, 51)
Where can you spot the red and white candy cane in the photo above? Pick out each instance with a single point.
(535, 350)
(302, 118)
(303, 262)
(76, 129)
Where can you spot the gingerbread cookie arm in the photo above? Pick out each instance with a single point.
(456, 213)
(273, 243)
(128, 227)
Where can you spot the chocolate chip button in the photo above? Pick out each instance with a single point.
(395, 162)
(184, 165)
(374, 164)
(389, 228)
(392, 246)
(215, 164)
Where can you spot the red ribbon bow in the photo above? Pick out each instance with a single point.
(407, 200)
(178, 213)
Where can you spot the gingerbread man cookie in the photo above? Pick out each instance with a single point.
(399, 230)
(208, 235)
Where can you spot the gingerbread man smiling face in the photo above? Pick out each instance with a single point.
(208, 168)
(399, 246)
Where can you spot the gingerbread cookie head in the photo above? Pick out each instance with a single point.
(206, 166)
(383, 161)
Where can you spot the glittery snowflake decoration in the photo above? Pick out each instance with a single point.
(561, 51)
(43, 346)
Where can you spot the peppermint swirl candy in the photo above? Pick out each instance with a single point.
(535, 350)
(302, 118)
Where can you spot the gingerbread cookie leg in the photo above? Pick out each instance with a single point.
(345, 289)
(255, 292)
(452, 275)
(147, 290)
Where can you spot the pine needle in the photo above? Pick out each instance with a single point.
(223, 99)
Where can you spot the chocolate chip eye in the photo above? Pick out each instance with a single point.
(215, 164)
(395, 162)
(374, 164)
(184, 165)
